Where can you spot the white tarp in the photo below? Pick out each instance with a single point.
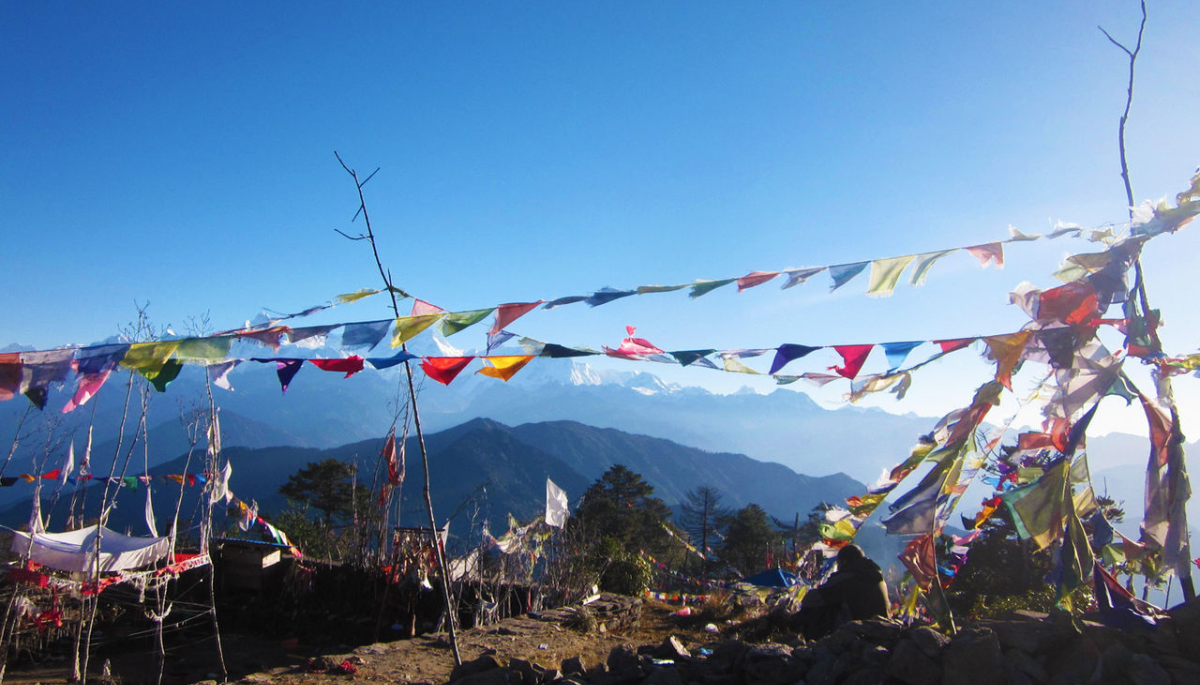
(75, 550)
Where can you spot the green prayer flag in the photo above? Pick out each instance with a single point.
(204, 350)
(704, 287)
(456, 321)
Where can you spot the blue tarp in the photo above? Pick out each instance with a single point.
(773, 578)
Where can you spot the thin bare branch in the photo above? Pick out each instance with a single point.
(368, 178)
(350, 237)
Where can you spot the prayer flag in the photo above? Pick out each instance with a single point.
(703, 287)
(365, 335)
(953, 345)
(734, 366)
(688, 357)
(204, 350)
(271, 337)
(991, 253)
(505, 367)
(570, 299)
(421, 308)
(853, 358)
(897, 352)
(508, 313)
(646, 289)
(10, 375)
(558, 351)
(456, 321)
(885, 273)
(1006, 351)
(799, 276)
(789, 352)
(495, 340)
(407, 327)
(923, 264)
(556, 505)
(220, 373)
(349, 366)
(606, 295)
(755, 278)
(355, 296)
(309, 337)
(844, 273)
(444, 369)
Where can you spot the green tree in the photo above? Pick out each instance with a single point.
(621, 506)
(699, 515)
(325, 486)
(749, 539)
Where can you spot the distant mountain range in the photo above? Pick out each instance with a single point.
(487, 469)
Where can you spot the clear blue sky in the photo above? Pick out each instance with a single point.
(183, 154)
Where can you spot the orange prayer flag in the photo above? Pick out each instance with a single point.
(505, 367)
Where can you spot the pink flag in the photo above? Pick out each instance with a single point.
(952, 345)
(421, 307)
(991, 253)
(89, 385)
(508, 313)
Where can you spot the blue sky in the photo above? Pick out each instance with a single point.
(183, 155)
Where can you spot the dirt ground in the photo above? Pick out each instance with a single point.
(545, 640)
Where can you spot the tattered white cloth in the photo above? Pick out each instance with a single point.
(76, 550)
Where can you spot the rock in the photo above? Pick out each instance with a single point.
(486, 662)
(881, 631)
(973, 658)
(495, 676)
(623, 664)
(910, 664)
(769, 663)
(929, 641)
(1030, 636)
(663, 676)
(1182, 670)
(1015, 676)
(672, 648)
(1144, 670)
(531, 673)
(867, 675)
(377, 648)
(729, 655)
(550, 675)
(830, 670)
(877, 655)
(1077, 661)
(573, 666)
(1027, 665)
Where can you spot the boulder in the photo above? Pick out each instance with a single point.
(573, 666)
(1027, 665)
(486, 662)
(769, 664)
(671, 648)
(1144, 670)
(910, 664)
(973, 658)
(929, 641)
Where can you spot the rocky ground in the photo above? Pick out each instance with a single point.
(623, 641)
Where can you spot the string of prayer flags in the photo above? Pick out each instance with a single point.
(444, 369)
(504, 367)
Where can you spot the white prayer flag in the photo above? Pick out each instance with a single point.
(556, 505)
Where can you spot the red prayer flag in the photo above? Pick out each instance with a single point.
(1073, 303)
(349, 366)
(508, 313)
(755, 278)
(954, 344)
(444, 369)
(853, 356)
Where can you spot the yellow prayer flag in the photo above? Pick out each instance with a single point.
(735, 366)
(355, 296)
(407, 327)
(885, 274)
(505, 367)
(148, 358)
